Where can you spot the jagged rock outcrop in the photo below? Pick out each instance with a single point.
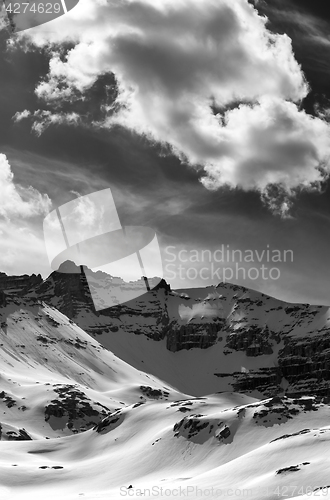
(68, 292)
(74, 408)
(18, 285)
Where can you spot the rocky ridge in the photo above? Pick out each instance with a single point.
(265, 346)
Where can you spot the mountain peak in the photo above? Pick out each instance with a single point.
(69, 267)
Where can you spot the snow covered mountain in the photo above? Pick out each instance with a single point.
(205, 340)
(78, 422)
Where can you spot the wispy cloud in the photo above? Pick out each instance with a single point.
(42, 119)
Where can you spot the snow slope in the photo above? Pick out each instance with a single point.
(77, 422)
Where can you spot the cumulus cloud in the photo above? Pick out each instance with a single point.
(16, 200)
(208, 78)
(21, 115)
(268, 143)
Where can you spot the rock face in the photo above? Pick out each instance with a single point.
(68, 292)
(17, 285)
(285, 346)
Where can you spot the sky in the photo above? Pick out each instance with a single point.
(208, 120)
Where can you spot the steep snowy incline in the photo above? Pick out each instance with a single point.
(56, 379)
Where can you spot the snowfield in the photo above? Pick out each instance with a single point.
(77, 422)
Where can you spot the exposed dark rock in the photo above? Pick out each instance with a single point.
(253, 340)
(192, 424)
(292, 468)
(79, 412)
(21, 435)
(110, 422)
(9, 401)
(154, 393)
(322, 488)
(285, 436)
(180, 337)
(225, 433)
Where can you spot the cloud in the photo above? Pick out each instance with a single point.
(42, 119)
(208, 78)
(22, 247)
(3, 18)
(21, 115)
(271, 142)
(87, 213)
(16, 200)
(309, 28)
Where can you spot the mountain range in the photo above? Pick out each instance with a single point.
(201, 391)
